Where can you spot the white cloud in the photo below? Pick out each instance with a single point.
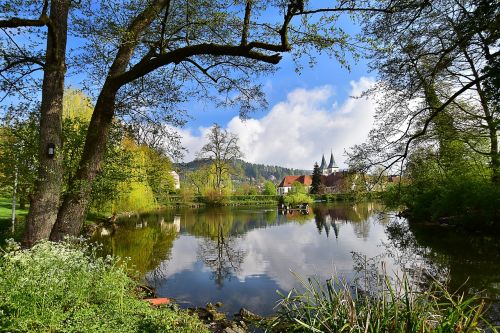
(297, 131)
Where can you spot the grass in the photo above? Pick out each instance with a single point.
(6, 220)
(337, 307)
(6, 209)
(66, 287)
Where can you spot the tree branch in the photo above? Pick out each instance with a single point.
(203, 70)
(181, 54)
(26, 60)
(346, 9)
(433, 115)
(16, 22)
(246, 23)
(163, 27)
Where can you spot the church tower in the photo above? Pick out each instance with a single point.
(322, 167)
(332, 166)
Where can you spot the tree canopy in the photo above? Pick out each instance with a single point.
(139, 60)
(436, 63)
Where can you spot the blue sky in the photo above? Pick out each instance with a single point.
(310, 113)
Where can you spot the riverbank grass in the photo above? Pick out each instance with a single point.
(335, 306)
(66, 287)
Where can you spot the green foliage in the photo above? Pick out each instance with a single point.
(186, 194)
(269, 188)
(66, 288)
(131, 177)
(459, 189)
(158, 174)
(214, 197)
(334, 307)
(316, 187)
(297, 195)
(135, 196)
(253, 199)
(246, 189)
(297, 199)
(18, 153)
(19, 142)
(148, 180)
(298, 188)
(198, 178)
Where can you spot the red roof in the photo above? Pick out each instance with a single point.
(289, 180)
(331, 180)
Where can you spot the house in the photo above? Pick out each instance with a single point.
(286, 184)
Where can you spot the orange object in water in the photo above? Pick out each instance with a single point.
(157, 301)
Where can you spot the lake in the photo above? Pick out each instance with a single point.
(243, 256)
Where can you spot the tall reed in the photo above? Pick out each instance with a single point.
(336, 306)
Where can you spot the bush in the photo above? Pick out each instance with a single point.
(65, 287)
(214, 197)
(297, 199)
(472, 201)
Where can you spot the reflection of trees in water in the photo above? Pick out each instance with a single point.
(465, 263)
(221, 255)
(370, 273)
(331, 218)
(325, 222)
(146, 242)
(203, 222)
(420, 262)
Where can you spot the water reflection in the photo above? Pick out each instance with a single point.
(143, 240)
(221, 255)
(242, 256)
(465, 260)
(330, 218)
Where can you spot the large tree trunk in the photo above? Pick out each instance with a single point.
(45, 200)
(75, 203)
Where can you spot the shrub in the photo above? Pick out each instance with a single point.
(65, 287)
(475, 201)
(214, 197)
(297, 199)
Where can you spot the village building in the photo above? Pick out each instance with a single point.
(177, 182)
(332, 167)
(331, 178)
(286, 184)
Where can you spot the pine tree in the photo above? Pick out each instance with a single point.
(316, 179)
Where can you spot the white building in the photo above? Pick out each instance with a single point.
(177, 182)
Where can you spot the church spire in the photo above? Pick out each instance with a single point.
(332, 163)
(323, 163)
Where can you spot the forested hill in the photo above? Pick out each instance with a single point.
(246, 171)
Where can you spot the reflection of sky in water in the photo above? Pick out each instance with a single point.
(241, 256)
(270, 255)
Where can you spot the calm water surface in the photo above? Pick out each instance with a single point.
(243, 256)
